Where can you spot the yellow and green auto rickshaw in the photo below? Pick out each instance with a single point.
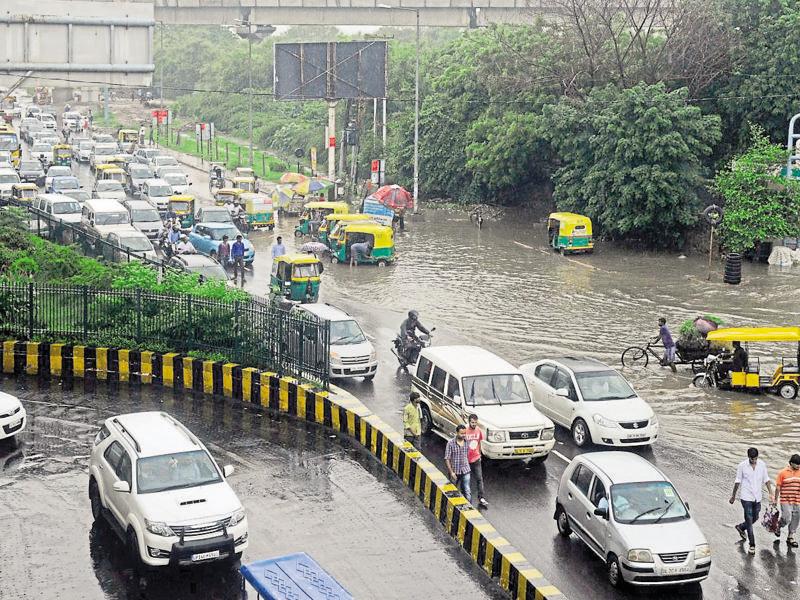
(246, 184)
(296, 277)
(24, 192)
(379, 237)
(226, 195)
(330, 222)
(183, 206)
(107, 172)
(314, 214)
(258, 209)
(570, 232)
(745, 375)
(62, 155)
(127, 139)
(247, 172)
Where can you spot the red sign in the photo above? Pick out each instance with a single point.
(160, 115)
(375, 166)
(332, 142)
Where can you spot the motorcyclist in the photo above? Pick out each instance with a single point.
(408, 328)
(184, 246)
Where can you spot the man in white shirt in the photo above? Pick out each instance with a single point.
(751, 475)
(278, 249)
(184, 246)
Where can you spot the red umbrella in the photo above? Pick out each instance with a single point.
(393, 196)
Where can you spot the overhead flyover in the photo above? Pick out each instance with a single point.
(70, 42)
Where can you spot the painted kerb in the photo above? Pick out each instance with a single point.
(487, 548)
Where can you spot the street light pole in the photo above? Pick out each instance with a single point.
(250, 92)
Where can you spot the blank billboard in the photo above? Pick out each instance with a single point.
(330, 70)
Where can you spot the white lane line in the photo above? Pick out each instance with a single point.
(524, 245)
(561, 456)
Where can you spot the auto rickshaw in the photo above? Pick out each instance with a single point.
(316, 212)
(258, 208)
(110, 172)
(62, 155)
(24, 192)
(226, 195)
(296, 277)
(127, 139)
(784, 380)
(380, 237)
(246, 184)
(570, 232)
(245, 172)
(330, 223)
(183, 206)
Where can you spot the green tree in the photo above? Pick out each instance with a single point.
(632, 160)
(759, 202)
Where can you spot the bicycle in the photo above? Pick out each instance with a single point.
(639, 357)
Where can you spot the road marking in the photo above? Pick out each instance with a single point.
(524, 245)
(561, 456)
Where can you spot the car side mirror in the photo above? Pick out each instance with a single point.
(601, 512)
(123, 487)
(228, 470)
(563, 392)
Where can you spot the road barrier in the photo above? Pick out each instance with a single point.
(344, 414)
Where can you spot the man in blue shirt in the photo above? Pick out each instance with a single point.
(237, 256)
(665, 336)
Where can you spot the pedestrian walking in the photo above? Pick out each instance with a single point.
(787, 496)
(90, 116)
(224, 252)
(237, 256)
(142, 133)
(665, 337)
(412, 426)
(278, 249)
(751, 476)
(474, 437)
(455, 457)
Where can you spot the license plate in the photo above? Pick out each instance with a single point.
(635, 436)
(523, 450)
(15, 424)
(675, 570)
(205, 555)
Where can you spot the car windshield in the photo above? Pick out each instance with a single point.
(137, 243)
(66, 183)
(160, 190)
(30, 165)
(217, 216)
(488, 390)
(209, 271)
(165, 160)
(86, 145)
(647, 502)
(9, 178)
(308, 270)
(346, 332)
(231, 232)
(175, 471)
(145, 215)
(58, 171)
(105, 150)
(8, 141)
(111, 218)
(79, 195)
(140, 172)
(63, 208)
(175, 178)
(42, 148)
(604, 385)
(109, 186)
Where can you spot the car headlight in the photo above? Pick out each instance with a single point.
(373, 355)
(640, 555)
(158, 528)
(335, 355)
(654, 419)
(603, 422)
(702, 551)
(547, 434)
(237, 517)
(495, 435)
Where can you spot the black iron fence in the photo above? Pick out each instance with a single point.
(252, 332)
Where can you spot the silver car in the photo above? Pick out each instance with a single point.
(631, 516)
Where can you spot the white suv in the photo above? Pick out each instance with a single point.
(163, 493)
(592, 400)
(12, 416)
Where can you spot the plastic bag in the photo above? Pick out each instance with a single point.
(771, 520)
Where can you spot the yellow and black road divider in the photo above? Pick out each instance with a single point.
(346, 415)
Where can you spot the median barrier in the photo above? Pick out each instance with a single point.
(341, 412)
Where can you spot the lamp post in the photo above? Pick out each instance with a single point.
(416, 103)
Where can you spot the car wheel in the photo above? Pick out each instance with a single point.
(580, 433)
(298, 233)
(334, 260)
(426, 421)
(614, 571)
(562, 522)
(787, 390)
(133, 549)
(95, 501)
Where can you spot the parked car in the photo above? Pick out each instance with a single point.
(157, 193)
(199, 264)
(59, 185)
(592, 400)
(629, 514)
(351, 353)
(145, 218)
(12, 416)
(136, 174)
(455, 381)
(207, 237)
(82, 151)
(163, 492)
(8, 177)
(55, 171)
(178, 182)
(108, 188)
(30, 171)
(214, 214)
(126, 240)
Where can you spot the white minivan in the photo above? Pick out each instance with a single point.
(61, 207)
(456, 381)
(352, 354)
(102, 216)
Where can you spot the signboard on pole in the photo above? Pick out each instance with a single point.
(161, 116)
(313, 160)
(204, 131)
(377, 167)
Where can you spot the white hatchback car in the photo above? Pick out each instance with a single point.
(163, 493)
(592, 400)
(12, 416)
(631, 516)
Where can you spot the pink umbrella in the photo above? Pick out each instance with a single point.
(393, 196)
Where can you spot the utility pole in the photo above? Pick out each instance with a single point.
(331, 134)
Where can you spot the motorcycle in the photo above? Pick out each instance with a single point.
(407, 351)
(712, 375)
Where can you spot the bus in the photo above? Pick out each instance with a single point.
(9, 141)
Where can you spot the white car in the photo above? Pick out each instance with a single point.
(8, 177)
(178, 182)
(82, 151)
(55, 171)
(42, 151)
(109, 188)
(157, 193)
(592, 400)
(49, 121)
(632, 517)
(158, 486)
(123, 241)
(102, 152)
(162, 160)
(12, 416)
